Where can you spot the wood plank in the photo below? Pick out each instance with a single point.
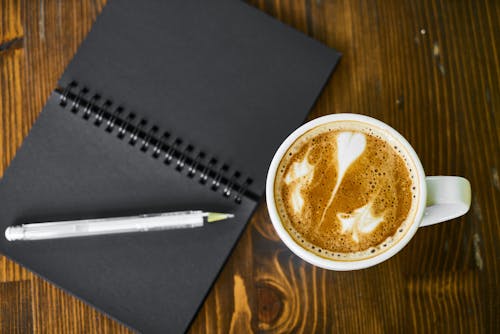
(55, 311)
(15, 307)
(12, 77)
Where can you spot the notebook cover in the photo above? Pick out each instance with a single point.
(210, 71)
(67, 168)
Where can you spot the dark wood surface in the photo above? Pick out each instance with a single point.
(429, 68)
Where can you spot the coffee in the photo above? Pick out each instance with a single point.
(346, 190)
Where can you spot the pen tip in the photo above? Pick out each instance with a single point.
(216, 216)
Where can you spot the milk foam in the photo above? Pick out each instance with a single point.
(350, 145)
(316, 176)
(298, 177)
(360, 220)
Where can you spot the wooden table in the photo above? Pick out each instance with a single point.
(428, 68)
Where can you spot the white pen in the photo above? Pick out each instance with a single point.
(89, 227)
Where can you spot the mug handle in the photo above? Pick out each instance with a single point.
(448, 197)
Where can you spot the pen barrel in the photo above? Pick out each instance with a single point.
(91, 227)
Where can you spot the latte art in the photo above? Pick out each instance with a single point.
(345, 190)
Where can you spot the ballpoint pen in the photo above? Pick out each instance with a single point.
(90, 227)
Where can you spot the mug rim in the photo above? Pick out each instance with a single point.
(332, 264)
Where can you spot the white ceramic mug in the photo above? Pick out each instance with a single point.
(441, 197)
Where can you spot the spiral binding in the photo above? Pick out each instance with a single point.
(171, 150)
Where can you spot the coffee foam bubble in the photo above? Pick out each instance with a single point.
(346, 190)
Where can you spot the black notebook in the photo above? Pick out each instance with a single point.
(167, 106)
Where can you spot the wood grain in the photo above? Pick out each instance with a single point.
(429, 68)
